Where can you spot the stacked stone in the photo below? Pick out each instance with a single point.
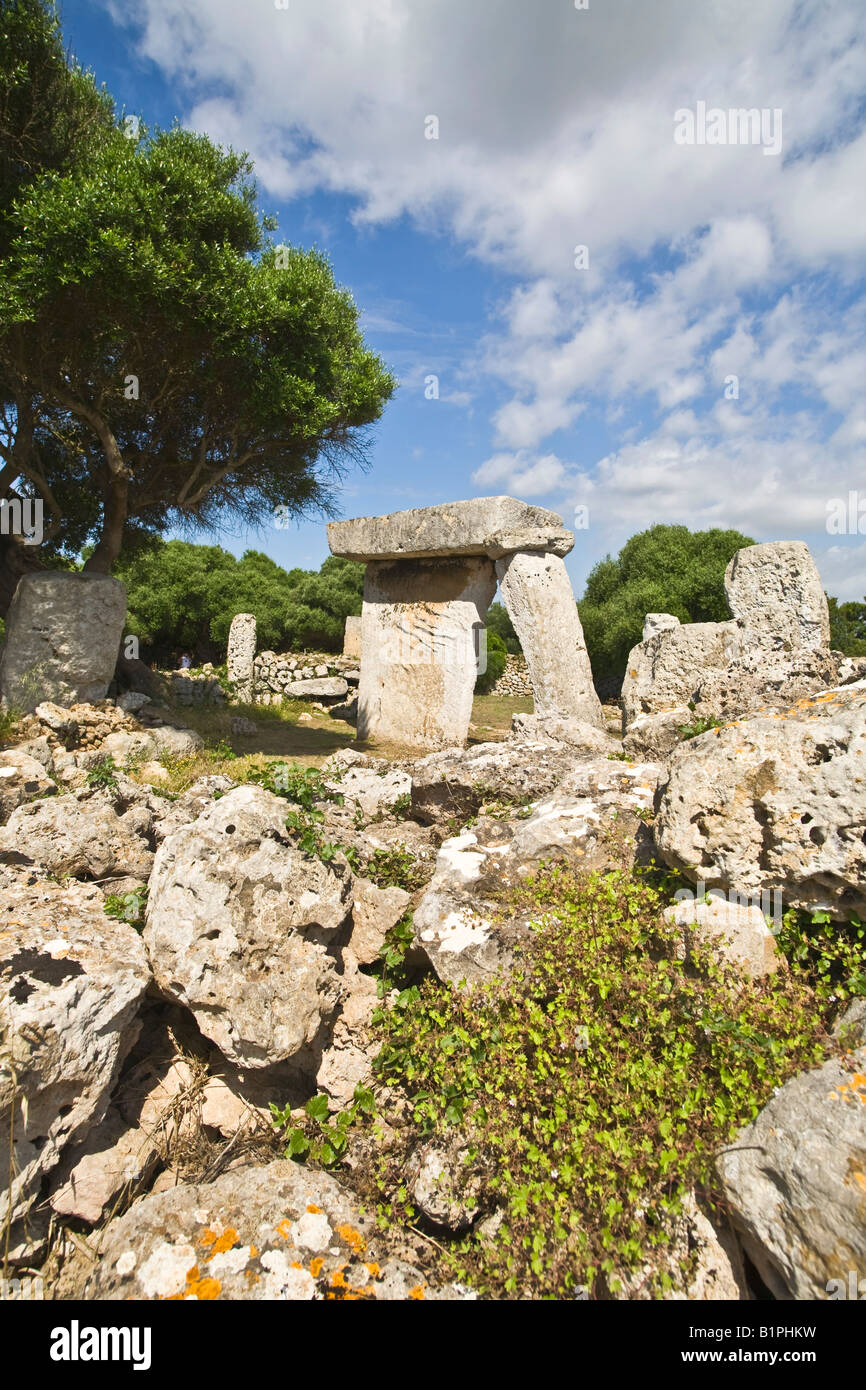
(80, 727)
(514, 680)
(431, 575)
(303, 676)
(191, 688)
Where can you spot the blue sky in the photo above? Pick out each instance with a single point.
(606, 386)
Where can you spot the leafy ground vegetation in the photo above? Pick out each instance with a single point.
(593, 1087)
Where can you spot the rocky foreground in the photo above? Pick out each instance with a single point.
(196, 988)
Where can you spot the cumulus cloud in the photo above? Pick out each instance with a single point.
(556, 129)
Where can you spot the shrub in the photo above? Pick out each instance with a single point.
(496, 657)
(593, 1086)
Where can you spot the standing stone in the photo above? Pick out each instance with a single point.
(63, 636)
(420, 628)
(540, 603)
(242, 654)
(352, 639)
(776, 590)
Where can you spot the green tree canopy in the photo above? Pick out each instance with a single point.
(666, 569)
(161, 360)
(848, 627)
(185, 596)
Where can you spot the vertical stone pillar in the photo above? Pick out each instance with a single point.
(352, 639)
(419, 635)
(540, 602)
(242, 654)
(63, 636)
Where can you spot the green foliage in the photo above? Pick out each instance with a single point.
(831, 954)
(185, 596)
(594, 1085)
(498, 621)
(104, 774)
(666, 569)
(394, 867)
(848, 627)
(127, 907)
(496, 656)
(698, 726)
(317, 1138)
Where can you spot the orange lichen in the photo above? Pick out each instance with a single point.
(205, 1290)
(417, 1293)
(253, 1252)
(373, 1269)
(855, 1089)
(316, 1266)
(311, 1206)
(226, 1241)
(353, 1238)
(284, 1228)
(207, 1236)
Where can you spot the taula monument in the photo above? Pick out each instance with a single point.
(431, 575)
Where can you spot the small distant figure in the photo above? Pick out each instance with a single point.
(185, 661)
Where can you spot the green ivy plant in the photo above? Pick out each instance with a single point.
(319, 1139)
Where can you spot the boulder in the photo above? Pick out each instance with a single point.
(131, 701)
(658, 622)
(374, 912)
(664, 672)
(71, 980)
(776, 591)
(320, 688)
(63, 633)
(374, 789)
(795, 1181)
(491, 526)
(655, 736)
(239, 921)
(277, 1232)
(563, 731)
(21, 779)
(537, 592)
(81, 836)
(456, 782)
(738, 933)
(774, 802)
(445, 1189)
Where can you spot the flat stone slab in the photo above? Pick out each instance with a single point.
(491, 526)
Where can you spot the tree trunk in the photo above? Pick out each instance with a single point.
(114, 519)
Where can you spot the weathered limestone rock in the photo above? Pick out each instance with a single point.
(352, 638)
(458, 782)
(81, 837)
(71, 980)
(419, 628)
(563, 731)
(491, 526)
(372, 789)
(242, 654)
(444, 1187)
(321, 688)
(375, 911)
(795, 1181)
(21, 779)
(63, 634)
(664, 672)
(738, 933)
(775, 802)
(776, 590)
(276, 1232)
(238, 922)
(658, 622)
(540, 603)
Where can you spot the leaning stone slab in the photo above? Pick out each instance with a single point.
(775, 590)
(63, 635)
(420, 625)
(540, 603)
(491, 526)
